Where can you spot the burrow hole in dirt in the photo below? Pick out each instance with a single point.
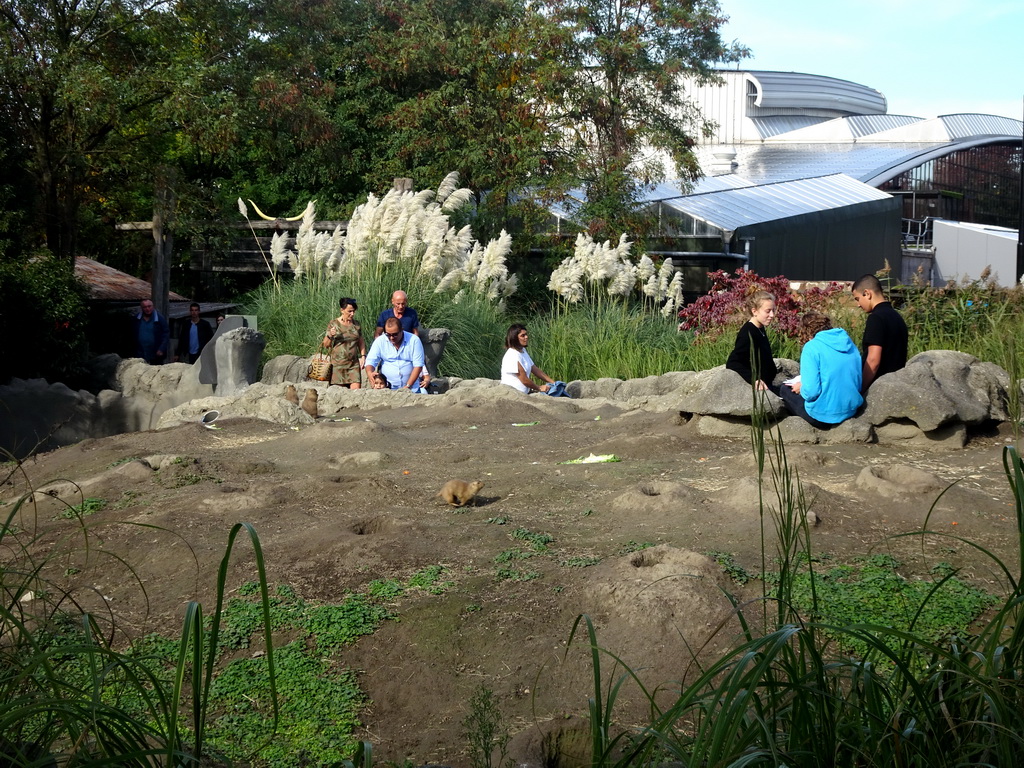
(370, 527)
(645, 558)
(649, 490)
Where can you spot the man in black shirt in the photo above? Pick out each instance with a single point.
(195, 335)
(885, 336)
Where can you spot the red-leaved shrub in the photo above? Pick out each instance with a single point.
(724, 304)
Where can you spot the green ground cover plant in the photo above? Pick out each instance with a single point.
(86, 507)
(537, 541)
(733, 570)
(871, 590)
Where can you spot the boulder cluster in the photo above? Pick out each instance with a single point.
(934, 401)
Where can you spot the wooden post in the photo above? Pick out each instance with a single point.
(163, 237)
(402, 184)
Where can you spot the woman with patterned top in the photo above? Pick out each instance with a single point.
(344, 337)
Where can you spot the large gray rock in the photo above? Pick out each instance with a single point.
(929, 403)
(258, 401)
(952, 435)
(285, 368)
(238, 355)
(715, 392)
(39, 415)
(940, 387)
(898, 480)
(721, 392)
(36, 415)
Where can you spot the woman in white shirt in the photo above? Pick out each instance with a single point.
(517, 367)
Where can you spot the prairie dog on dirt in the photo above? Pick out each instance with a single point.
(291, 394)
(459, 493)
(309, 403)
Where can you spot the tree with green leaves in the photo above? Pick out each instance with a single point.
(619, 97)
(459, 87)
(78, 80)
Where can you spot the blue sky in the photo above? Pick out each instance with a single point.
(928, 58)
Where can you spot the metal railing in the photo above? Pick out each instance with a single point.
(917, 233)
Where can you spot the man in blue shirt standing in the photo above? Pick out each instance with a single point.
(151, 334)
(398, 355)
(401, 310)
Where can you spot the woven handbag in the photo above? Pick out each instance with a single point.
(320, 367)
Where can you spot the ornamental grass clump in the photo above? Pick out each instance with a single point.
(401, 241)
(596, 271)
(411, 231)
(605, 322)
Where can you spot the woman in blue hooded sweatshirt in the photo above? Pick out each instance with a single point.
(828, 391)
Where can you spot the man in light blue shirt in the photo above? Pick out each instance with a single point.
(398, 355)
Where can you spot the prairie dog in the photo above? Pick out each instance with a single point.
(291, 394)
(309, 403)
(459, 493)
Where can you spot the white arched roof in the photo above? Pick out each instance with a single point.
(796, 90)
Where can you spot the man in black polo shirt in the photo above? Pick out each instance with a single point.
(885, 336)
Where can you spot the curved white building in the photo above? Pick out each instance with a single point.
(809, 176)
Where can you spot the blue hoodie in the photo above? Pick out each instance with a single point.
(830, 376)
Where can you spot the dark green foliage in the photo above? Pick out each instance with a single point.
(282, 102)
(42, 318)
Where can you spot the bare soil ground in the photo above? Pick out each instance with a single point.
(341, 503)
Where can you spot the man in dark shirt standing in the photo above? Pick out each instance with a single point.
(196, 335)
(400, 310)
(885, 335)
